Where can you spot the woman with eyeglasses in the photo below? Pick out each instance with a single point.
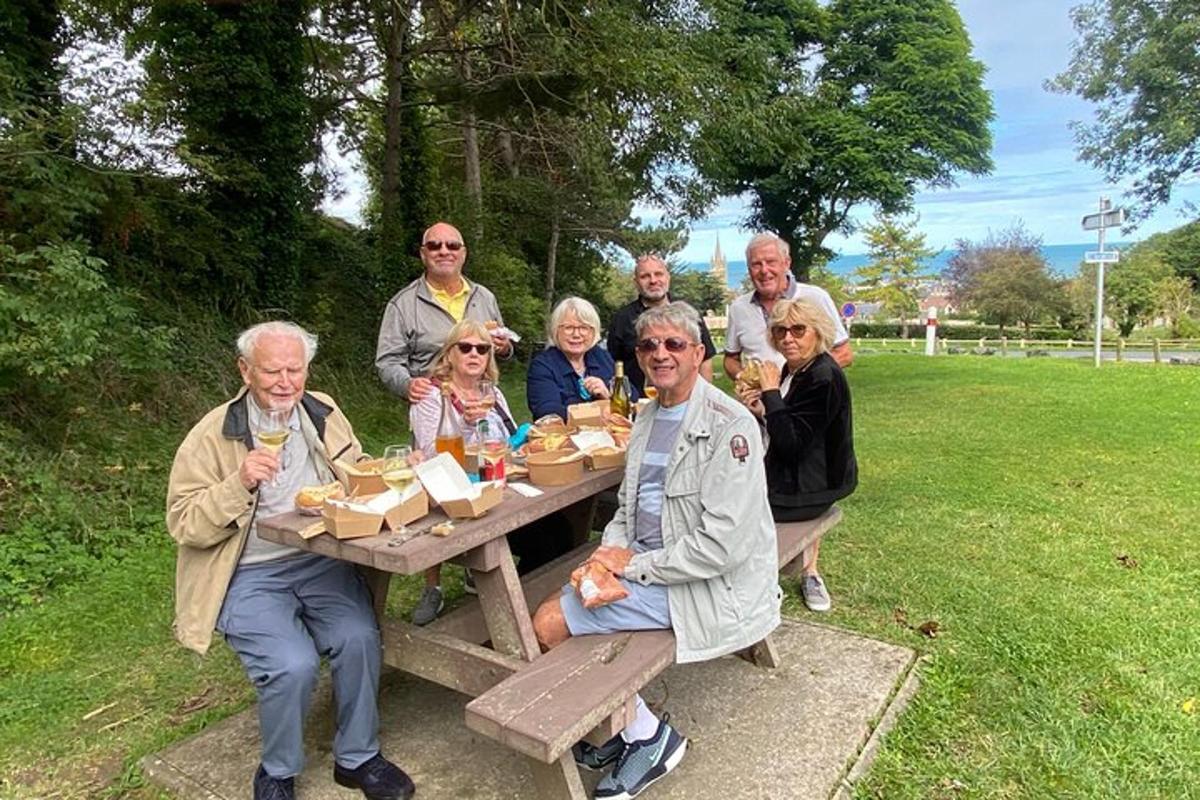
(805, 409)
(465, 360)
(572, 369)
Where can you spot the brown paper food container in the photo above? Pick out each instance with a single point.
(408, 511)
(606, 460)
(360, 481)
(546, 469)
(587, 413)
(472, 507)
(346, 523)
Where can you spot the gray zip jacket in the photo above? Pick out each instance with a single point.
(414, 328)
(719, 558)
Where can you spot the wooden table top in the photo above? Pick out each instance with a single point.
(386, 552)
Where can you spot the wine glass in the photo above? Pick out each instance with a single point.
(487, 395)
(398, 473)
(272, 435)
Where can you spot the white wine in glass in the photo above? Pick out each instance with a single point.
(398, 474)
(487, 395)
(273, 434)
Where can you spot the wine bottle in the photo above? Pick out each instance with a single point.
(621, 393)
(449, 434)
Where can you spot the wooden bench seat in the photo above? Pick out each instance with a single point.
(584, 688)
(559, 698)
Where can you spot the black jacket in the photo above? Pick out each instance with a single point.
(810, 459)
(622, 341)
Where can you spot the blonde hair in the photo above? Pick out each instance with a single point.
(584, 311)
(468, 327)
(798, 312)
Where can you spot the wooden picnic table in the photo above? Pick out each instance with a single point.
(453, 654)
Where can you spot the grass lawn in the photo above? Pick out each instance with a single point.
(1041, 512)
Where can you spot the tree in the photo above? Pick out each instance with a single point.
(1132, 295)
(1138, 61)
(231, 77)
(1004, 279)
(1176, 298)
(893, 276)
(829, 106)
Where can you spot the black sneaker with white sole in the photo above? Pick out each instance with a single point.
(589, 756)
(642, 763)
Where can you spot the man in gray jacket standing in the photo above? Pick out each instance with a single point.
(692, 540)
(417, 319)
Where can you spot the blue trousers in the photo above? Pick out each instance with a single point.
(281, 617)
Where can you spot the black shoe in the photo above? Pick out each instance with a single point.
(591, 757)
(268, 788)
(378, 778)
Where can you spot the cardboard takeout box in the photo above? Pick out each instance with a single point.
(450, 488)
(591, 413)
(364, 478)
(366, 516)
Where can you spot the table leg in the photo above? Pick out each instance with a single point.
(378, 583)
(558, 781)
(504, 609)
(579, 517)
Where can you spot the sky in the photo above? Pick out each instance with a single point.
(1036, 179)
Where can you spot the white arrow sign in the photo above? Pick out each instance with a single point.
(1102, 256)
(1105, 219)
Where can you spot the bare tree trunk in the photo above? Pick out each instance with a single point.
(394, 66)
(471, 167)
(551, 261)
(507, 154)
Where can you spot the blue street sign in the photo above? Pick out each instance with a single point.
(848, 310)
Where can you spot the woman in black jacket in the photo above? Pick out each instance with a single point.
(810, 440)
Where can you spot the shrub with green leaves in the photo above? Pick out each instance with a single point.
(58, 315)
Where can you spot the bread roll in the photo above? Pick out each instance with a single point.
(315, 496)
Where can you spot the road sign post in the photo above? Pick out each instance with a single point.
(1108, 217)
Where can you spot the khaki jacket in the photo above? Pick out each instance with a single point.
(719, 558)
(209, 510)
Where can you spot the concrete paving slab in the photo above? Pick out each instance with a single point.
(801, 731)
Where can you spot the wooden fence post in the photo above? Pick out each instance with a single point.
(1120, 349)
(1157, 351)
(1069, 343)
(1003, 345)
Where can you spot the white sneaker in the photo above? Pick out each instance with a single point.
(815, 595)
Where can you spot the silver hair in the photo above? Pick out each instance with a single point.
(637, 262)
(248, 339)
(582, 309)
(678, 315)
(761, 239)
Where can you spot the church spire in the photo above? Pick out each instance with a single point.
(717, 265)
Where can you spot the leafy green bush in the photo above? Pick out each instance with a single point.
(58, 314)
(888, 330)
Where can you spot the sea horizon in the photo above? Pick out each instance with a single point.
(1063, 260)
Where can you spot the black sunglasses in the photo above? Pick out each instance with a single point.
(674, 344)
(797, 331)
(466, 347)
(433, 245)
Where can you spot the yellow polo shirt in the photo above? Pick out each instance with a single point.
(455, 304)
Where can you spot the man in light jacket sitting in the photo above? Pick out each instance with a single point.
(692, 540)
(280, 609)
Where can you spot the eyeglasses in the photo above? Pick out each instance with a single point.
(674, 344)
(577, 330)
(465, 347)
(797, 331)
(433, 245)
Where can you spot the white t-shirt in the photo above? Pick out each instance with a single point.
(746, 330)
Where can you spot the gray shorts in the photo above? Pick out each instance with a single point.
(646, 608)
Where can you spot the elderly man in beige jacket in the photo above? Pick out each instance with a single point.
(281, 609)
